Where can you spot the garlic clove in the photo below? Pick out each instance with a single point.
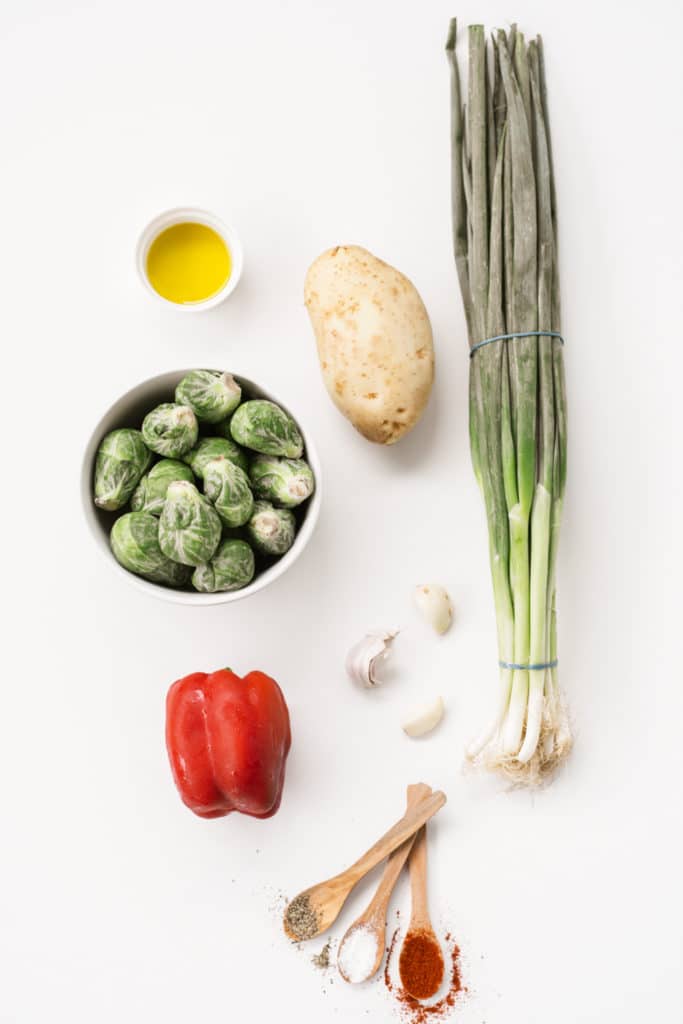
(365, 657)
(422, 720)
(435, 605)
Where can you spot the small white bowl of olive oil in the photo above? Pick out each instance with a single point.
(189, 259)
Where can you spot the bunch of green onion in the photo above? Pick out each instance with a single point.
(505, 241)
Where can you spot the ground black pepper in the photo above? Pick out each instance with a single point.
(322, 959)
(301, 918)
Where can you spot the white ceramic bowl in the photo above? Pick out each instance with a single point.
(129, 411)
(191, 215)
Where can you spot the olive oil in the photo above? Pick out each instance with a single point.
(188, 263)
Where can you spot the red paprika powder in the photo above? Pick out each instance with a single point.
(420, 964)
(411, 1009)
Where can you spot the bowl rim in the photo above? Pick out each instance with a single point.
(193, 215)
(187, 597)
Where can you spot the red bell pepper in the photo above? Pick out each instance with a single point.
(227, 740)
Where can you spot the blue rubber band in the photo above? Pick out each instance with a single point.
(519, 334)
(539, 667)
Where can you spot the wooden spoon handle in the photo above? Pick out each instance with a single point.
(417, 867)
(397, 859)
(397, 834)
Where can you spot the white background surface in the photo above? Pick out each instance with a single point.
(309, 124)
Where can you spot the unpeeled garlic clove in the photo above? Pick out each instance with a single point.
(435, 605)
(423, 720)
(365, 657)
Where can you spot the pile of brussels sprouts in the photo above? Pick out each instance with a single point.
(219, 501)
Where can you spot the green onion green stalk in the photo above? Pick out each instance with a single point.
(505, 244)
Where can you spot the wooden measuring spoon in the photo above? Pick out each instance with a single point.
(373, 920)
(315, 909)
(420, 938)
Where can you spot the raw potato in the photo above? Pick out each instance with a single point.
(374, 341)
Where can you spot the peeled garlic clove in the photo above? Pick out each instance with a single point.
(435, 605)
(365, 657)
(424, 719)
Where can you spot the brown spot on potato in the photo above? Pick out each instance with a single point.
(339, 385)
(370, 394)
(421, 352)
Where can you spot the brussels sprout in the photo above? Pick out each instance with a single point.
(150, 493)
(209, 448)
(285, 482)
(135, 543)
(122, 458)
(271, 530)
(227, 488)
(222, 429)
(231, 568)
(170, 430)
(212, 396)
(189, 528)
(266, 428)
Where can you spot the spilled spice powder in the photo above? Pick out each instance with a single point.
(411, 1009)
(390, 952)
(322, 959)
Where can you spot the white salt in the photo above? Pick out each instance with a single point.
(357, 954)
